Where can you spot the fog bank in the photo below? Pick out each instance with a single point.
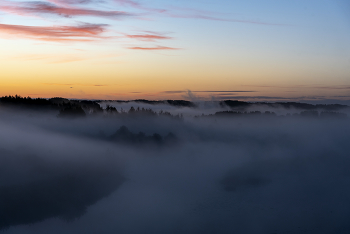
(221, 175)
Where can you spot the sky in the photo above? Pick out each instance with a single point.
(255, 50)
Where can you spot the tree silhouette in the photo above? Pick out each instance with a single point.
(72, 111)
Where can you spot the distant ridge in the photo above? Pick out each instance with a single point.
(94, 106)
(234, 104)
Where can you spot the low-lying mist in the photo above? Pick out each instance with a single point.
(146, 173)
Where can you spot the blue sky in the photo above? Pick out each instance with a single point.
(165, 45)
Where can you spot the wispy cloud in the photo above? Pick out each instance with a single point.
(51, 58)
(338, 87)
(254, 97)
(180, 12)
(232, 91)
(58, 58)
(208, 17)
(84, 32)
(330, 87)
(153, 48)
(278, 98)
(148, 37)
(93, 32)
(129, 3)
(39, 8)
(235, 91)
(137, 5)
(75, 84)
(69, 2)
(174, 92)
(276, 86)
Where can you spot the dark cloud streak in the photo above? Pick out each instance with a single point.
(147, 37)
(38, 8)
(153, 48)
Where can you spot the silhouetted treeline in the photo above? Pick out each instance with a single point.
(71, 111)
(141, 112)
(177, 103)
(25, 101)
(81, 108)
(66, 107)
(234, 104)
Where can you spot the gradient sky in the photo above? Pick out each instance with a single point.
(127, 49)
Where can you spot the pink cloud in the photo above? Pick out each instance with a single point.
(86, 32)
(64, 8)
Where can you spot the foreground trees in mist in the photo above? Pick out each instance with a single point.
(71, 111)
(125, 136)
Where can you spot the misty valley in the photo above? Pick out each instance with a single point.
(173, 166)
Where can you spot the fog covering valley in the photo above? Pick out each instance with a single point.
(70, 166)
